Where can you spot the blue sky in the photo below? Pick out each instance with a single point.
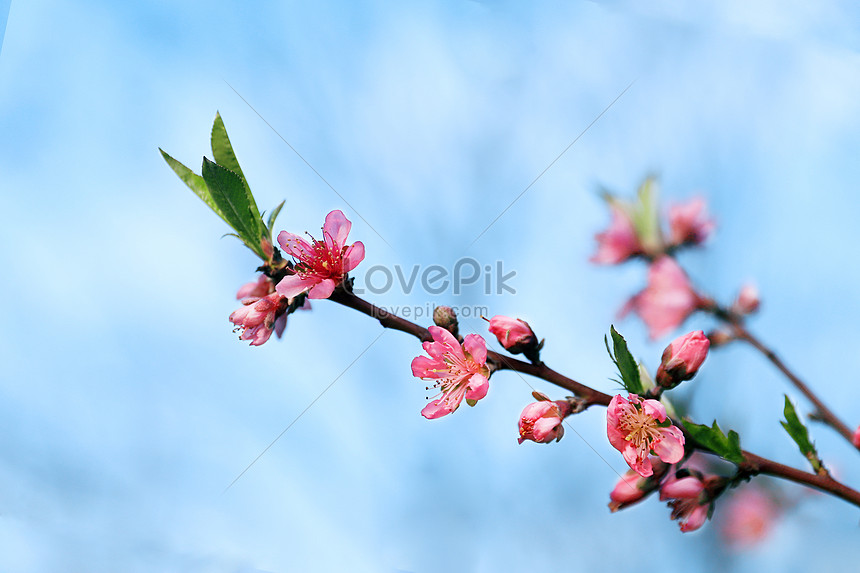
(128, 405)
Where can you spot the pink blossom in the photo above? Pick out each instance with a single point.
(513, 333)
(689, 222)
(257, 317)
(688, 487)
(459, 371)
(258, 289)
(541, 421)
(320, 265)
(667, 300)
(635, 428)
(855, 439)
(619, 242)
(748, 300)
(632, 487)
(691, 514)
(682, 359)
(749, 517)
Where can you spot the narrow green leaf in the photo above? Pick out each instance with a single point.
(194, 182)
(228, 193)
(274, 215)
(222, 151)
(728, 447)
(800, 434)
(627, 366)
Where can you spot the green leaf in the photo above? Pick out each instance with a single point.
(194, 182)
(229, 194)
(275, 212)
(798, 432)
(713, 438)
(222, 151)
(627, 366)
(645, 215)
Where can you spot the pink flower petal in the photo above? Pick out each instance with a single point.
(685, 488)
(336, 227)
(323, 289)
(293, 285)
(642, 467)
(477, 347)
(695, 519)
(436, 409)
(671, 448)
(654, 409)
(354, 254)
(293, 245)
(477, 387)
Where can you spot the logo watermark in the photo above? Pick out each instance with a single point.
(492, 279)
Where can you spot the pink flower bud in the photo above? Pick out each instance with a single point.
(689, 499)
(257, 317)
(541, 421)
(747, 301)
(513, 333)
(258, 289)
(445, 317)
(632, 487)
(856, 438)
(682, 359)
(619, 242)
(689, 223)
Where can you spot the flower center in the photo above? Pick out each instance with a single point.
(642, 430)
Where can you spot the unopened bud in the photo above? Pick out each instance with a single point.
(516, 336)
(541, 421)
(720, 337)
(682, 359)
(632, 487)
(748, 300)
(445, 317)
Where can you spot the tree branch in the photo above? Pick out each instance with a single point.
(753, 463)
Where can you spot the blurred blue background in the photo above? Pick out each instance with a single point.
(128, 405)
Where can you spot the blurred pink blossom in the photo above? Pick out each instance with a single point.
(749, 516)
(689, 222)
(619, 242)
(667, 300)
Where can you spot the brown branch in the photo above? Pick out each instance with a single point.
(752, 465)
(822, 413)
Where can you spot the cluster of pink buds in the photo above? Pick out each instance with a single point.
(263, 311)
(691, 496)
(320, 266)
